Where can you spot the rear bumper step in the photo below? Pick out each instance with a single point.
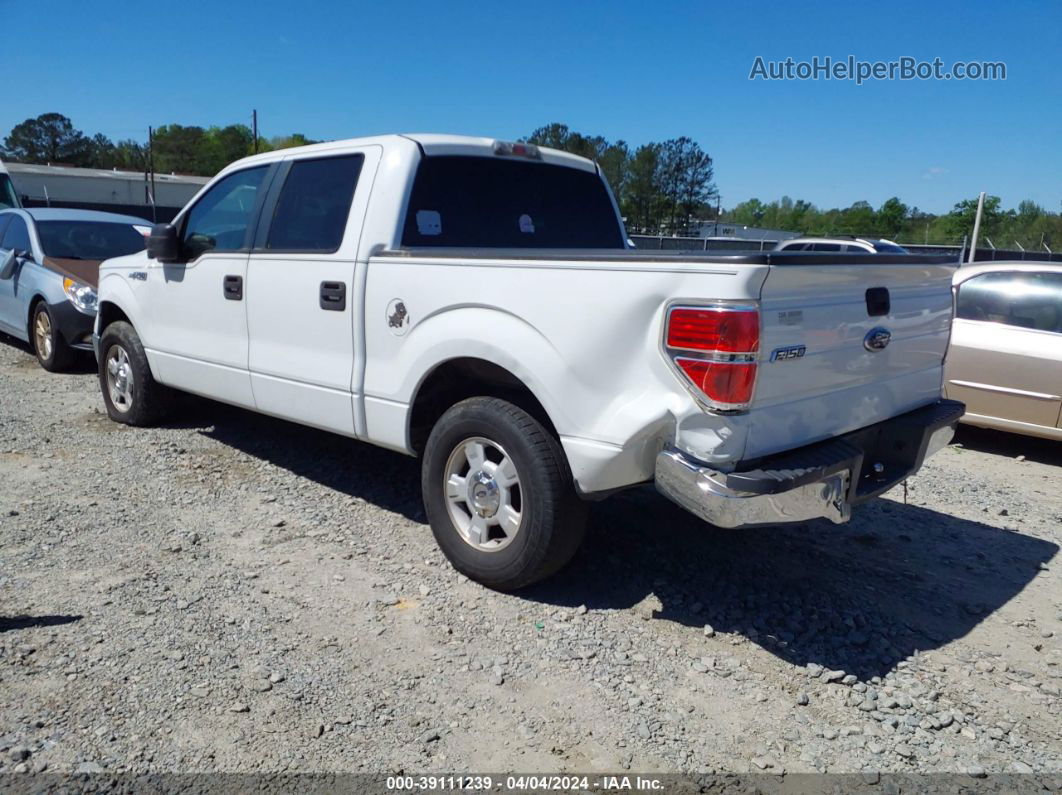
(822, 480)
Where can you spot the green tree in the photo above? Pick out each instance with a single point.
(891, 217)
(223, 145)
(748, 213)
(642, 197)
(960, 221)
(288, 141)
(181, 149)
(615, 165)
(554, 136)
(49, 138)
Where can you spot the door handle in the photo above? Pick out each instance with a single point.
(233, 288)
(333, 296)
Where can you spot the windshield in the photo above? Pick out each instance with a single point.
(888, 248)
(497, 203)
(97, 240)
(8, 197)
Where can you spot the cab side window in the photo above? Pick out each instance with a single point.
(17, 238)
(220, 219)
(1024, 299)
(313, 206)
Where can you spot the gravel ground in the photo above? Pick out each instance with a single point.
(235, 593)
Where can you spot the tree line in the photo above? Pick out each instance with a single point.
(1028, 225)
(667, 188)
(175, 148)
(661, 188)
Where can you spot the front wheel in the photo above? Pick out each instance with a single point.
(499, 495)
(130, 393)
(52, 352)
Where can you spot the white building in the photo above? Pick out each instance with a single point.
(102, 189)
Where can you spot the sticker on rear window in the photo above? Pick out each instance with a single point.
(527, 226)
(429, 223)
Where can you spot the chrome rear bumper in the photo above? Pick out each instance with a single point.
(703, 492)
(820, 481)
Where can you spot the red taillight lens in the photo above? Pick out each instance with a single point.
(714, 329)
(725, 383)
(715, 348)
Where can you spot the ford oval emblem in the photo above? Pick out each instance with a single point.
(877, 339)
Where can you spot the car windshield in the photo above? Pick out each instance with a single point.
(8, 197)
(888, 248)
(89, 239)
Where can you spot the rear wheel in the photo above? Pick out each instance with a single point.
(51, 349)
(131, 394)
(499, 495)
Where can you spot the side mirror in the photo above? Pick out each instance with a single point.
(7, 265)
(163, 243)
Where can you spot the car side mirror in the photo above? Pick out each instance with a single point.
(163, 243)
(7, 265)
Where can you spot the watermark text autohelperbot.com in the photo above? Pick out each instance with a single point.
(851, 68)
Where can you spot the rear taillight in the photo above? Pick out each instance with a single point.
(714, 348)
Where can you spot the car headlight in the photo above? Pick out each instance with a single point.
(80, 295)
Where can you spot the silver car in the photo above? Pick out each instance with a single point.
(49, 270)
(1005, 360)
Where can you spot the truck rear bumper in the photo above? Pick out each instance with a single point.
(822, 480)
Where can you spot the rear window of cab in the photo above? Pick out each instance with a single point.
(489, 202)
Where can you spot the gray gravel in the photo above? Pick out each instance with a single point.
(231, 592)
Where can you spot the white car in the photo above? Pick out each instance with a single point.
(472, 302)
(848, 245)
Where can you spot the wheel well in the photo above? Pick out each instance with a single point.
(29, 318)
(109, 313)
(458, 379)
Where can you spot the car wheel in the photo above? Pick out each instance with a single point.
(131, 394)
(499, 494)
(49, 346)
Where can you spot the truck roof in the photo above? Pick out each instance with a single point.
(429, 143)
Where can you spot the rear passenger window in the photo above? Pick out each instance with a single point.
(1024, 299)
(824, 247)
(312, 209)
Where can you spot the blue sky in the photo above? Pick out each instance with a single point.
(636, 71)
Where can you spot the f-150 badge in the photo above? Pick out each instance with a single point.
(790, 352)
(397, 317)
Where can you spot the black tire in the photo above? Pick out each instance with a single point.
(145, 401)
(53, 354)
(553, 518)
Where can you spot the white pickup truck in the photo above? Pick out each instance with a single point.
(472, 301)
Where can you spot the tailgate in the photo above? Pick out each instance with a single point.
(833, 358)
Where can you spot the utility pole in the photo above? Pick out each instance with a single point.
(254, 127)
(977, 227)
(151, 171)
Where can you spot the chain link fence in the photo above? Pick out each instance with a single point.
(984, 254)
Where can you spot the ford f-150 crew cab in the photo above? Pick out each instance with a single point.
(472, 302)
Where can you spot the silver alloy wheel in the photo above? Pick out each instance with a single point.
(42, 333)
(119, 378)
(483, 494)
